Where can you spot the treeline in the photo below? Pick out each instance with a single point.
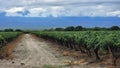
(80, 28)
(11, 30)
(69, 28)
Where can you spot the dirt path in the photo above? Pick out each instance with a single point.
(31, 52)
(36, 53)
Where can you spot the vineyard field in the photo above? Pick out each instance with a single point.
(6, 37)
(89, 42)
(60, 49)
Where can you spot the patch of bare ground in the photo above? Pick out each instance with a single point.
(6, 52)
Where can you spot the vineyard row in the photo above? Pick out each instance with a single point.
(88, 42)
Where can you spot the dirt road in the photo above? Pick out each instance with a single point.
(31, 53)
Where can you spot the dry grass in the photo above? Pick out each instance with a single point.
(74, 62)
(71, 53)
(66, 53)
(75, 54)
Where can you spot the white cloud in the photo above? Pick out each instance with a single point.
(14, 9)
(36, 12)
(56, 8)
(54, 11)
(114, 13)
(57, 11)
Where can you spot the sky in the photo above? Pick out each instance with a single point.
(40, 14)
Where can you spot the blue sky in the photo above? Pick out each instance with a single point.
(40, 14)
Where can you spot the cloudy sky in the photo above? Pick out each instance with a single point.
(58, 13)
(58, 8)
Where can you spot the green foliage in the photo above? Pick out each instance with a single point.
(19, 30)
(8, 30)
(91, 39)
(7, 37)
(70, 28)
(59, 29)
(114, 28)
(81, 28)
(78, 28)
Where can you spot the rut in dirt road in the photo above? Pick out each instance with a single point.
(30, 53)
